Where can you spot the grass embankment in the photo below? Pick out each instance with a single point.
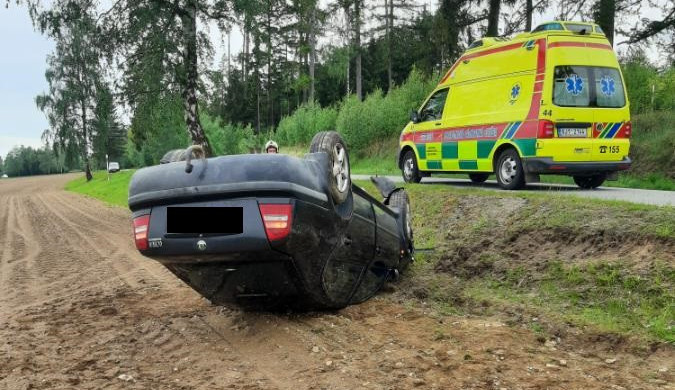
(115, 191)
(544, 261)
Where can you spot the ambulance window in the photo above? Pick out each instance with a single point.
(608, 88)
(588, 86)
(548, 27)
(475, 44)
(571, 88)
(433, 110)
(599, 30)
(579, 28)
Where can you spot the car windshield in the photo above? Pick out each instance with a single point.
(588, 86)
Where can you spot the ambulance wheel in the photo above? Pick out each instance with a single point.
(409, 168)
(509, 170)
(590, 182)
(478, 177)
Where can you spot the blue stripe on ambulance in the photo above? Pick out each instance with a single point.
(514, 128)
(612, 132)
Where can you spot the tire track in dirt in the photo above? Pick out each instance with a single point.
(90, 308)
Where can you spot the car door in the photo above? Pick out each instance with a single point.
(387, 246)
(429, 142)
(353, 254)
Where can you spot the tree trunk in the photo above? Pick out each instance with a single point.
(348, 28)
(194, 127)
(528, 15)
(357, 47)
(270, 108)
(605, 11)
(493, 18)
(312, 52)
(85, 133)
(388, 8)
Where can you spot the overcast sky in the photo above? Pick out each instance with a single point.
(23, 64)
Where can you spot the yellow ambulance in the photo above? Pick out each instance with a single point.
(551, 101)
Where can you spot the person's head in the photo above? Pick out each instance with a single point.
(271, 147)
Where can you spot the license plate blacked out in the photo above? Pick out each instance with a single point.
(207, 220)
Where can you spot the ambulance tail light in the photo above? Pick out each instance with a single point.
(625, 131)
(546, 129)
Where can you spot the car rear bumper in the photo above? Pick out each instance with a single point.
(547, 165)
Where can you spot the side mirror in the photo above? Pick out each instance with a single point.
(414, 116)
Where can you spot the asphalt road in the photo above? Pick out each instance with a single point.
(652, 197)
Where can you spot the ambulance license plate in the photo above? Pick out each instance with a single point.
(572, 132)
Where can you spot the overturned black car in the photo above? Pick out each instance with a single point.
(272, 231)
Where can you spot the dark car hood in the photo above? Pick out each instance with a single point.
(255, 174)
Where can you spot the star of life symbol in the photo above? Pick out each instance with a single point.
(574, 84)
(607, 86)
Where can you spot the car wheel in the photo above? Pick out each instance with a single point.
(478, 177)
(409, 168)
(400, 201)
(509, 170)
(590, 182)
(332, 144)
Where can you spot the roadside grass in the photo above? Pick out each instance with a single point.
(600, 295)
(114, 192)
(568, 261)
(469, 261)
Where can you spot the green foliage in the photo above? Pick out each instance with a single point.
(230, 139)
(648, 88)
(381, 117)
(74, 76)
(307, 120)
(652, 144)
(109, 137)
(157, 127)
(26, 161)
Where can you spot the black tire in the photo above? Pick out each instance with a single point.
(409, 168)
(509, 170)
(173, 156)
(331, 143)
(478, 177)
(590, 182)
(400, 202)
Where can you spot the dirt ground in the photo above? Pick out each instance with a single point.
(81, 309)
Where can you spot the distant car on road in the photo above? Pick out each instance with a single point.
(5, 176)
(271, 230)
(113, 167)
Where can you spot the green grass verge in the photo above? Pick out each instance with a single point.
(567, 260)
(114, 191)
(616, 294)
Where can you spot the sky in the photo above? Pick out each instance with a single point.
(22, 77)
(23, 53)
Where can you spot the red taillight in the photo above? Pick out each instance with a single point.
(277, 219)
(625, 131)
(141, 225)
(546, 129)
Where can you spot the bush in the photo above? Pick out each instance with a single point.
(229, 138)
(648, 88)
(653, 143)
(307, 120)
(381, 117)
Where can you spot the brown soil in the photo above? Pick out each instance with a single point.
(501, 244)
(81, 309)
